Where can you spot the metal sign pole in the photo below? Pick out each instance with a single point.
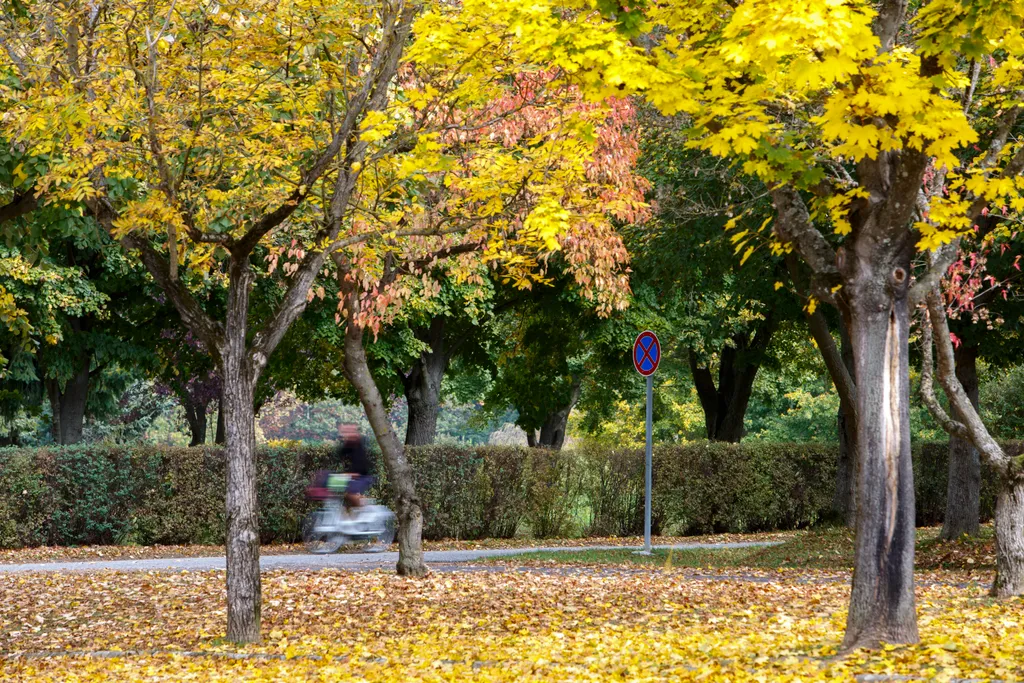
(647, 473)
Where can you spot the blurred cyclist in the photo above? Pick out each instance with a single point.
(352, 459)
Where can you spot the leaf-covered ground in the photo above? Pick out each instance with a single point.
(820, 549)
(613, 623)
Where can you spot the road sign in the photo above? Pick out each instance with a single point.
(646, 353)
(646, 356)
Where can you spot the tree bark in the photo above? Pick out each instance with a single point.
(243, 539)
(219, 436)
(845, 501)
(882, 607)
(68, 404)
(422, 387)
(839, 362)
(725, 406)
(1009, 523)
(552, 432)
(195, 415)
(400, 474)
(963, 487)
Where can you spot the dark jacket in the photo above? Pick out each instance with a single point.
(353, 458)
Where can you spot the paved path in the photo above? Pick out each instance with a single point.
(355, 561)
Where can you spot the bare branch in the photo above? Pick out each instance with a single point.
(890, 17)
(948, 424)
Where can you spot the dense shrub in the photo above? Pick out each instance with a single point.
(147, 495)
(716, 487)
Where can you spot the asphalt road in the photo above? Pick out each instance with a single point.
(352, 561)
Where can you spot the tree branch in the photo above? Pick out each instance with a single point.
(192, 314)
(372, 97)
(822, 335)
(948, 424)
(794, 226)
(941, 259)
(974, 428)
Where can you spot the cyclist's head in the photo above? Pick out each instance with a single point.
(348, 431)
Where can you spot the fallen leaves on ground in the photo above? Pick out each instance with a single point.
(641, 624)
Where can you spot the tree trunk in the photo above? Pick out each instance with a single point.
(882, 608)
(1009, 525)
(423, 387)
(219, 436)
(552, 432)
(725, 406)
(844, 504)
(68, 404)
(400, 475)
(195, 415)
(963, 488)
(237, 394)
(1009, 522)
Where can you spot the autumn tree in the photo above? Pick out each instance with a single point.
(860, 119)
(216, 142)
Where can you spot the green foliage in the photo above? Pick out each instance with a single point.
(1001, 404)
(168, 495)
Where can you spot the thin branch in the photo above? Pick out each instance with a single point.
(931, 402)
(841, 377)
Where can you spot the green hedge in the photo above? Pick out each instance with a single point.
(148, 495)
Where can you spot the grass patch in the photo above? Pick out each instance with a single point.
(816, 549)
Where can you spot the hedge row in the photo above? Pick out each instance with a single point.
(148, 495)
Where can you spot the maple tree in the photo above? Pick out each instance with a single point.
(861, 119)
(213, 141)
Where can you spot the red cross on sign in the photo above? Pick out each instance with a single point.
(646, 353)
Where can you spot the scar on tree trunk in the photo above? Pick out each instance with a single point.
(407, 502)
(725, 406)
(882, 606)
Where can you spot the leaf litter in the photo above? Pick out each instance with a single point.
(650, 625)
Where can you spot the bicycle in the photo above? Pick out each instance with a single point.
(328, 528)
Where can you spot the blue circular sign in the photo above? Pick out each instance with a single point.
(646, 353)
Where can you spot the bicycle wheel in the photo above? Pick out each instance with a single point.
(386, 537)
(317, 540)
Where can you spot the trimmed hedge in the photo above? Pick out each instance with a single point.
(161, 495)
